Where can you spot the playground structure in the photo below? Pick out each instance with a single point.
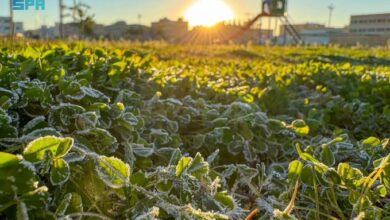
(274, 9)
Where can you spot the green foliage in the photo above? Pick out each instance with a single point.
(120, 132)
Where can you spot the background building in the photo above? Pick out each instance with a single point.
(322, 36)
(171, 31)
(5, 26)
(301, 27)
(366, 30)
(374, 24)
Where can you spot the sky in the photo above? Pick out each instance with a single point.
(110, 11)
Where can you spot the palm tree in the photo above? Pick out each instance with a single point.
(80, 16)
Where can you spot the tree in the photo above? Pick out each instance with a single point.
(82, 19)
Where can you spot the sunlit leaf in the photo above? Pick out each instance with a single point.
(182, 165)
(300, 127)
(59, 172)
(225, 199)
(198, 166)
(371, 142)
(294, 171)
(59, 147)
(113, 171)
(7, 159)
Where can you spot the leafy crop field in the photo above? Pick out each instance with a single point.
(94, 131)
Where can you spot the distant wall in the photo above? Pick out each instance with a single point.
(365, 40)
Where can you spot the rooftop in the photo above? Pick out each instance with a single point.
(379, 14)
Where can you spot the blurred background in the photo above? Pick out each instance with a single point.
(320, 22)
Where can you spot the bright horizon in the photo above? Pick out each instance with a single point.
(107, 12)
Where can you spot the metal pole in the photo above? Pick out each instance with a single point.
(269, 28)
(11, 21)
(275, 29)
(139, 19)
(61, 25)
(331, 8)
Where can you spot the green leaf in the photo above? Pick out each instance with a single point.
(164, 185)
(347, 173)
(385, 178)
(32, 52)
(59, 172)
(7, 160)
(246, 173)
(300, 128)
(75, 204)
(35, 124)
(182, 166)
(139, 178)
(308, 175)
(62, 117)
(371, 142)
(17, 178)
(198, 167)
(6, 129)
(63, 206)
(382, 191)
(142, 151)
(331, 176)
(294, 171)
(114, 172)
(275, 124)
(213, 157)
(245, 131)
(344, 170)
(64, 147)
(99, 140)
(225, 199)
(59, 147)
(305, 156)
(327, 156)
(144, 163)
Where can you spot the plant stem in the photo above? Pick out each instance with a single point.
(291, 205)
(338, 209)
(252, 214)
(316, 198)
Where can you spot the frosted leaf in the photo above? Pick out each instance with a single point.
(59, 147)
(95, 94)
(36, 123)
(13, 96)
(60, 172)
(142, 151)
(99, 140)
(62, 116)
(41, 133)
(198, 167)
(86, 120)
(63, 206)
(113, 172)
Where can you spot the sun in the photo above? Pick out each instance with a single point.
(208, 13)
